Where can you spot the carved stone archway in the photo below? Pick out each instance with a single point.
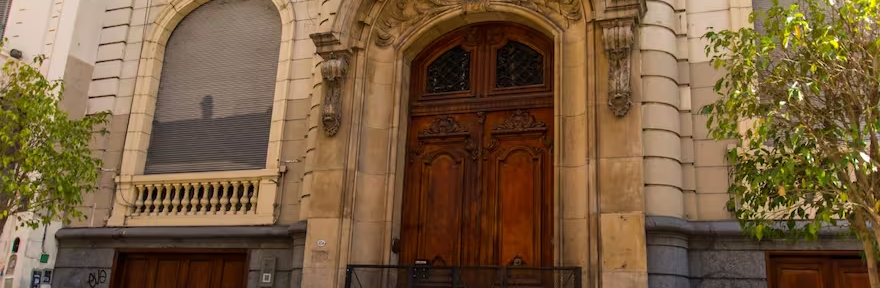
(367, 47)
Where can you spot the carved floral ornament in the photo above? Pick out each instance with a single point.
(405, 13)
(520, 121)
(444, 126)
(617, 36)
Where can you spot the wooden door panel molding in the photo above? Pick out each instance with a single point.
(838, 269)
(850, 273)
(516, 186)
(434, 205)
(438, 178)
(801, 275)
(523, 101)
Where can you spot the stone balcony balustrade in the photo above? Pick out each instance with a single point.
(196, 199)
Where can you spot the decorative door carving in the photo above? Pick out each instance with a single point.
(478, 182)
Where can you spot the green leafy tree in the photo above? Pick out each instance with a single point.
(45, 161)
(803, 97)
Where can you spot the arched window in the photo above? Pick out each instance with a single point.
(483, 62)
(217, 88)
(15, 244)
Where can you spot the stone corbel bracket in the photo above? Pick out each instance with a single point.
(334, 70)
(618, 39)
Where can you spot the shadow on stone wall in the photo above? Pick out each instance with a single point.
(209, 143)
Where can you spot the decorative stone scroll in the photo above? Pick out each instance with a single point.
(617, 36)
(404, 14)
(334, 71)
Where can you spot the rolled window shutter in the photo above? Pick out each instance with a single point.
(214, 105)
(5, 7)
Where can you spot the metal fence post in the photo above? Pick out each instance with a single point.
(504, 277)
(348, 272)
(410, 277)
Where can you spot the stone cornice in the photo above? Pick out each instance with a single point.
(722, 228)
(327, 43)
(178, 232)
(618, 9)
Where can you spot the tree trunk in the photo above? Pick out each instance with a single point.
(871, 258)
(3, 223)
(868, 236)
(871, 254)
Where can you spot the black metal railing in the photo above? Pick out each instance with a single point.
(427, 276)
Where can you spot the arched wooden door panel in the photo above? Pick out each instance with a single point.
(478, 181)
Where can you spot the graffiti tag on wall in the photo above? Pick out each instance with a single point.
(97, 278)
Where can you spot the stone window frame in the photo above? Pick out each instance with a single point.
(149, 74)
(144, 105)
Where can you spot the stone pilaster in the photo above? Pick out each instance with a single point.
(324, 188)
(620, 147)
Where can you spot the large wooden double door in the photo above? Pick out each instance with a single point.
(478, 184)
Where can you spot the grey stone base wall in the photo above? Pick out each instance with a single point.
(716, 254)
(86, 255)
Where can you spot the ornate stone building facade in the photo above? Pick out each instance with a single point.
(273, 143)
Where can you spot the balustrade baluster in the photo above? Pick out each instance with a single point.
(193, 199)
(245, 199)
(139, 202)
(203, 200)
(234, 200)
(148, 204)
(223, 198)
(175, 198)
(166, 201)
(215, 198)
(256, 184)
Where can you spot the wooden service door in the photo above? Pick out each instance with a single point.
(817, 271)
(478, 182)
(180, 270)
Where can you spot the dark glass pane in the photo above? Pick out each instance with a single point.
(518, 65)
(450, 72)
